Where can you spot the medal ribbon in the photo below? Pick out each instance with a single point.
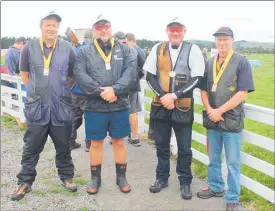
(216, 77)
(47, 61)
(107, 59)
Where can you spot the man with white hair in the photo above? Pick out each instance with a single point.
(174, 69)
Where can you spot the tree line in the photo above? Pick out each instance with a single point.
(144, 43)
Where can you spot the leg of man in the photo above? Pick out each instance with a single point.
(77, 122)
(135, 108)
(184, 137)
(96, 130)
(34, 142)
(162, 136)
(215, 180)
(232, 147)
(65, 167)
(119, 128)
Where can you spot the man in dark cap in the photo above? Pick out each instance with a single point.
(226, 83)
(46, 64)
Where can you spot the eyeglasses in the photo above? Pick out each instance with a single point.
(177, 29)
(100, 27)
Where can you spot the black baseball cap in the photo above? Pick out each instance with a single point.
(120, 35)
(224, 31)
(52, 14)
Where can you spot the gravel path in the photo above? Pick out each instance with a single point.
(48, 194)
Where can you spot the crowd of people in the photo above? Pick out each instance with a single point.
(100, 80)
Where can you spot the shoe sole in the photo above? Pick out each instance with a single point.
(128, 191)
(187, 198)
(93, 193)
(165, 186)
(71, 190)
(211, 196)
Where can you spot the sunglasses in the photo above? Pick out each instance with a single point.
(177, 29)
(100, 27)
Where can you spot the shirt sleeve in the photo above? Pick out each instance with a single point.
(24, 59)
(203, 82)
(244, 76)
(150, 64)
(196, 61)
(71, 63)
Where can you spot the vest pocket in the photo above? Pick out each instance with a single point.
(32, 110)
(208, 123)
(65, 111)
(233, 123)
(183, 111)
(158, 111)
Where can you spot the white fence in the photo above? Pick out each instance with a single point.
(15, 108)
(259, 114)
(10, 105)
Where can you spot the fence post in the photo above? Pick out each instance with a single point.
(141, 116)
(20, 99)
(224, 169)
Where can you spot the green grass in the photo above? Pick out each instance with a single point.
(263, 96)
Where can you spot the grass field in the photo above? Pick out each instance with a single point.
(263, 96)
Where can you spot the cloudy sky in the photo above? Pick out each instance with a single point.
(252, 21)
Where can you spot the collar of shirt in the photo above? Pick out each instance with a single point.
(174, 53)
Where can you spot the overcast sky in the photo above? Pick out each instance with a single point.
(252, 21)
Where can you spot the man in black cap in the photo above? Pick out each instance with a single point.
(227, 80)
(174, 70)
(46, 65)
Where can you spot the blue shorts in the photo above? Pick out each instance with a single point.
(116, 123)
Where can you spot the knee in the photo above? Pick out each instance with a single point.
(97, 144)
(118, 143)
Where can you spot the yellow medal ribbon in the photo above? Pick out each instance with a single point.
(107, 59)
(216, 77)
(47, 60)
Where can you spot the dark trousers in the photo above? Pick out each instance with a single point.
(78, 102)
(162, 136)
(34, 142)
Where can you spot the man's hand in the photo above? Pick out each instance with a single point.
(113, 99)
(215, 115)
(170, 106)
(107, 93)
(167, 100)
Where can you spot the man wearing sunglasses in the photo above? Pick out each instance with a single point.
(174, 70)
(105, 70)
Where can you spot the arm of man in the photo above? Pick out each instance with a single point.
(89, 85)
(24, 64)
(150, 66)
(245, 85)
(130, 73)
(140, 62)
(197, 66)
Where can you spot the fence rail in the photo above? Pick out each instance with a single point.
(257, 113)
(15, 108)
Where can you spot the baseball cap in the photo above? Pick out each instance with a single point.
(225, 31)
(88, 33)
(100, 18)
(120, 35)
(175, 20)
(52, 14)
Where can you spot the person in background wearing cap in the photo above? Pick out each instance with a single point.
(78, 100)
(204, 53)
(134, 97)
(105, 70)
(46, 63)
(174, 70)
(227, 80)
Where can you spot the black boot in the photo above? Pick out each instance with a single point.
(121, 180)
(158, 186)
(186, 192)
(74, 145)
(96, 179)
(88, 146)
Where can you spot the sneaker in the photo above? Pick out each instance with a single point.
(134, 142)
(208, 193)
(158, 186)
(232, 207)
(20, 191)
(69, 184)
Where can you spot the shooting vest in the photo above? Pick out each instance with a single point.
(49, 97)
(226, 89)
(183, 112)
